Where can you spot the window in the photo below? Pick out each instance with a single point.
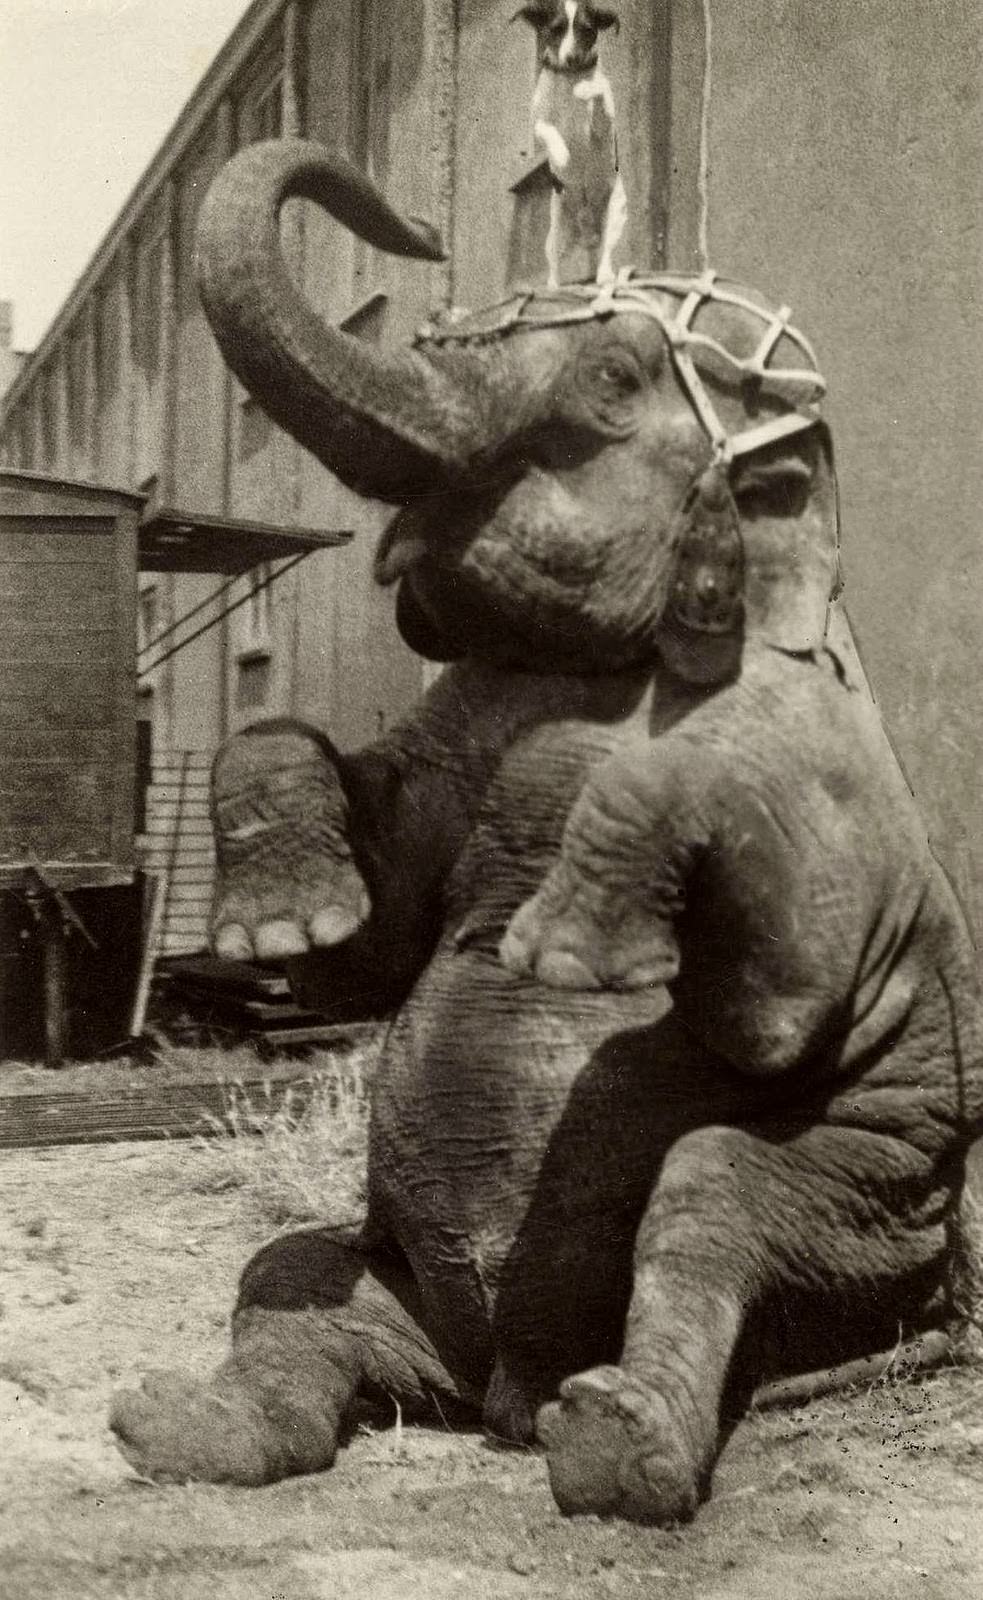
(261, 112)
(255, 427)
(149, 306)
(147, 610)
(371, 108)
(269, 111)
(257, 614)
(255, 674)
(48, 402)
(530, 225)
(108, 341)
(22, 431)
(192, 182)
(253, 687)
(148, 627)
(77, 388)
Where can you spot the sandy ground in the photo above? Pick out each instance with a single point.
(116, 1258)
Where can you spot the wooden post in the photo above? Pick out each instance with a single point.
(50, 925)
(152, 922)
(55, 957)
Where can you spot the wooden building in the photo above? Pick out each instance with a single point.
(830, 154)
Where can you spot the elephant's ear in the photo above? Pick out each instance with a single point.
(756, 557)
(789, 506)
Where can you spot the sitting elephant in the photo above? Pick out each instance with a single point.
(685, 1055)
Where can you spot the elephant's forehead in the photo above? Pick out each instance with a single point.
(741, 331)
(737, 329)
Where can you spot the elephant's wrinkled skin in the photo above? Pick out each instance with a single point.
(686, 1059)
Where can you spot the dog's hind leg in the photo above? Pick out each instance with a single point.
(615, 219)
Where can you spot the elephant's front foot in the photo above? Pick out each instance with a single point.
(178, 1430)
(286, 878)
(576, 933)
(614, 1450)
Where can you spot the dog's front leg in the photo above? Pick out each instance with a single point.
(558, 156)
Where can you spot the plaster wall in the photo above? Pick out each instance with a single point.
(843, 173)
(113, 428)
(840, 171)
(376, 94)
(501, 185)
(200, 379)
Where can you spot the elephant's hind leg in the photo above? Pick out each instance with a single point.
(318, 1322)
(639, 1440)
(754, 1255)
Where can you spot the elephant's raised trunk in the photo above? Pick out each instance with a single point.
(389, 424)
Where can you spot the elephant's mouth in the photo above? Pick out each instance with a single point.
(440, 611)
(437, 530)
(499, 581)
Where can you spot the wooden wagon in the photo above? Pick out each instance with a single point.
(69, 557)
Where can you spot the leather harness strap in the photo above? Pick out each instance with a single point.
(630, 294)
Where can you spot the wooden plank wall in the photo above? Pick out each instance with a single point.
(177, 847)
(66, 697)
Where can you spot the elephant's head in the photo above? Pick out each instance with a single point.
(584, 477)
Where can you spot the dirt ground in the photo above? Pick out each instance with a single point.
(116, 1258)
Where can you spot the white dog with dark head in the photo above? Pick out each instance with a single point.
(574, 122)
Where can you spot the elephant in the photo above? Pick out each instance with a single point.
(682, 1053)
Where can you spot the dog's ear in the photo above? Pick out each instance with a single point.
(603, 18)
(536, 13)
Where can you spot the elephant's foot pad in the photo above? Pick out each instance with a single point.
(176, 1429)
(613, 1450)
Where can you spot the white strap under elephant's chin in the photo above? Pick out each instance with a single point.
(741, 444)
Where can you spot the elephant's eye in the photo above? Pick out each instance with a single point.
(608, 384)
(616, 375)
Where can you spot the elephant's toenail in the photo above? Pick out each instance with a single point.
(561, 969)
(233, 943)
(511, 952)
(274, 940)
(333, 925)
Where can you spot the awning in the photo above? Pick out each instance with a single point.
(170, 540)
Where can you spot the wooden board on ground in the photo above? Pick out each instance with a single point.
(241, 978)
(182, 1112)
(244, 1000)
(107, 1104)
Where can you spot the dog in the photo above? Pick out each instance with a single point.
(574, 121)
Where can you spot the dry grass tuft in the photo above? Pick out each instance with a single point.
(298, 1155)
(968, 1276)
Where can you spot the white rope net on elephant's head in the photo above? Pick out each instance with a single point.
(714, 329)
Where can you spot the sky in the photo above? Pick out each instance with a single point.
(88, 90)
